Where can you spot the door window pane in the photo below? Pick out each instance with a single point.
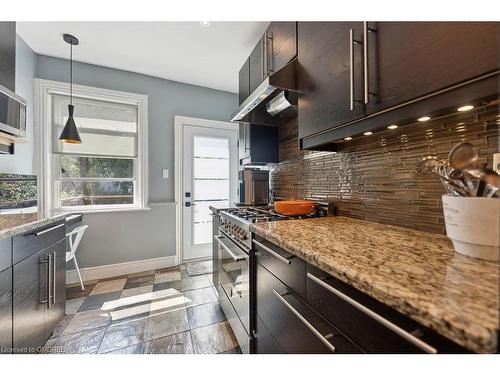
(211, 168)
(211, 190)
(210, 183)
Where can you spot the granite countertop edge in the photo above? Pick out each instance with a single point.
(29, 226)
(364, 284)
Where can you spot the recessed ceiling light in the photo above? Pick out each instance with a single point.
(205, 23)
(347, 138)
(424, 118)
(394, 126)
(465, 108)
(367, 133)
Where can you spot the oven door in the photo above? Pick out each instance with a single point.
(234, 277)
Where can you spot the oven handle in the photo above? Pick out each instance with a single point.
(235, 257)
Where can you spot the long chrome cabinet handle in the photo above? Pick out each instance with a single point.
(54, 276)
(270, 62)
(394, 328)
(272, 252)
(351, 69)
(304, 320)
(365, 59)
(264, 56)
(48, 230)
(49, 279)
(235, 257)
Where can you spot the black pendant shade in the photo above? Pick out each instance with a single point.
(70, 132)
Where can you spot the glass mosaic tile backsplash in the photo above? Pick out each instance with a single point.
(373, 177)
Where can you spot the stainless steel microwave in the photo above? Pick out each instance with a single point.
(12, 113)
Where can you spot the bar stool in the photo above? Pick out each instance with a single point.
(75, 236)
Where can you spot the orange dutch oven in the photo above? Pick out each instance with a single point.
(294, 207)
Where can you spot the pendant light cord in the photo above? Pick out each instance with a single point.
(71, 74)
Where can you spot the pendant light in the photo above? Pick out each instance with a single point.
(70, 132)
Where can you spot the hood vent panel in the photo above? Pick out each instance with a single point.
(273, 101)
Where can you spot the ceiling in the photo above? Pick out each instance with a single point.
(181, 51)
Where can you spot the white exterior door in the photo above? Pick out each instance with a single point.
(209, 178)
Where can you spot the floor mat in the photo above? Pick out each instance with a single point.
(199, 268)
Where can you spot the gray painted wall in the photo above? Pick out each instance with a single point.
(22, 160)
(128, 236)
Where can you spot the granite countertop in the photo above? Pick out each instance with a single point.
(416, 273)
(12, 225)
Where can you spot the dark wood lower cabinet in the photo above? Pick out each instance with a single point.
(265, 343)
(30, 303)
(39, 297)
(374, 326)
(295, 326)
(57, 309)
(289, 269)
(302, 309)
(6, 311)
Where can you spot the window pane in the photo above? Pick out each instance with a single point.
(211, 190)
(86, 193)
(78, 166)
(106, 128)
(211, 168)
(211, 147)
(211, 183)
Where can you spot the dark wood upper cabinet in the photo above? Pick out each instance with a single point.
(244, 81)
(408, 60)
(330, 74)
(8, 55)
(281, 39)
(257, 68)
(258, 144)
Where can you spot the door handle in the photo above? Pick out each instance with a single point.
(306, 322)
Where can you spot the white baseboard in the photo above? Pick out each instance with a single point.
(118, 269)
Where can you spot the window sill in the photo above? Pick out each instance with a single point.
(105, 210)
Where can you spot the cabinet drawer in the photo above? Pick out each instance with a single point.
(30, 243)
(290, 269)
(296, 327)
(376, 328)
(5, 254)
(265, 343)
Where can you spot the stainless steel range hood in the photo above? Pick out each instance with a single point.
(281, 85)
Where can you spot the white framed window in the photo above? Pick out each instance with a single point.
(108, 170)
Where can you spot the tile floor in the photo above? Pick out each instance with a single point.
(164, 311)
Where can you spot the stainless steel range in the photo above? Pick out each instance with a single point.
(234, 264)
